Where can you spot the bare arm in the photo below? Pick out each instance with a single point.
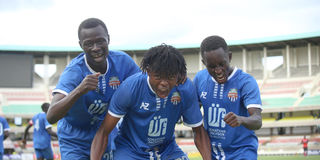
(51, 132)
(202, 142)
(26, 132)
(100, 140)
(253, 122)
(6, 135)
(61, 104)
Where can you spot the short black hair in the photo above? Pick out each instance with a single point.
(91, 23)
(45, 107)
(165, 60)
(212, 43)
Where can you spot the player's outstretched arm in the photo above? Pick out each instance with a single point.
(202, 142)
(26, 131)
(100, 140)
(253, 122)
(61, 104)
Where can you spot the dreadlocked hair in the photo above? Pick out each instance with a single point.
(164, 60)
(212, 43)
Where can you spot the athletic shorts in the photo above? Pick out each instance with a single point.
(44, 153)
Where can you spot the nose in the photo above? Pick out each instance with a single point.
(218, 70)
(164, 82)
(95, 46)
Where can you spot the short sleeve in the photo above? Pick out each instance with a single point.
(46, 123)
(191, 113)
(68, 81)
(251, 93)
(6, 125)
(120, 101)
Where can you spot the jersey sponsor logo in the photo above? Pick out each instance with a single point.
(233, 95)
(176, 98)
(216, 115)
(157, 126)
(144, 106)
(114, 82)
(97, 108)
(203, 95)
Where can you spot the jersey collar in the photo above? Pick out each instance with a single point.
(91, 70)
(231, 75)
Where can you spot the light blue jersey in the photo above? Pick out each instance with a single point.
(41, 138)
(238, 94)
(78, 128)
(4, 126)
(147, 129)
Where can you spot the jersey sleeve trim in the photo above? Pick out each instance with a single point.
(60, 91)
(254, 106)
(7, 129)
(115, 115)
(48, 126)
(194, 125)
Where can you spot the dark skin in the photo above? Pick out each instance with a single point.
(94, 42)
(218, 65)
(161, 85)
(26, 132)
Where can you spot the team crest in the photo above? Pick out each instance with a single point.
(175, 99)
(114, 82)
(233, 95)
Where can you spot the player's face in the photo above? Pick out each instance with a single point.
(162, 84)
(94, 42)
(218, 64)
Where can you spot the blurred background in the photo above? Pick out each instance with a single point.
(278, 42)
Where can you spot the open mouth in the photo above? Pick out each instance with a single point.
(220, 78)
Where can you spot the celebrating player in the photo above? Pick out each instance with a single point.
(84, 90)
(150, 104)
(231, 102)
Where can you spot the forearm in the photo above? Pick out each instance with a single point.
(202, 142)
(253, 122)
(60, 106)
(99, 145)
(26, 131)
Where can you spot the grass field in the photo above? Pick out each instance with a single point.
(294, 157)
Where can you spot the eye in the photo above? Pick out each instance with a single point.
(172, 77)
(88, 44)
(100, 41)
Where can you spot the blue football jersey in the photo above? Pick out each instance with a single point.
(238, 94)
(4, 126)
(78, 128)
(149, 121)
(41, 138)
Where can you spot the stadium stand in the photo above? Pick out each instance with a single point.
(290, 92)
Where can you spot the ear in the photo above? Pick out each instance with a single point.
(203, 61)
(108, 39)
(80, 44)
(230, 56)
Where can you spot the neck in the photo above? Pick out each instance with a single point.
(102, 68)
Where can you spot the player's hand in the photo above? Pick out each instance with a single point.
(233, 120)
(23, 143)
(90, 82)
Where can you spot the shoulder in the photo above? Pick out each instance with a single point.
(136, 79)
(201, 75)
(118, 55)
(243, 77)
(187, 88)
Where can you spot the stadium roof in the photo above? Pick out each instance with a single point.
(181, 46)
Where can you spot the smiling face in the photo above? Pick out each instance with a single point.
(161, 84)
(218, 64)
(94, 42)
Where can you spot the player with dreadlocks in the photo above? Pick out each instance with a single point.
(150, 104)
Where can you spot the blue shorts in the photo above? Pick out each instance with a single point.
(44, 153)
(172, 152)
